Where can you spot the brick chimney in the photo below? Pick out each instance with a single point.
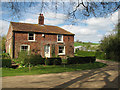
(41, 19)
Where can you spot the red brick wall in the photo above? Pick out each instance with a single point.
(38, 44)
(9, 41)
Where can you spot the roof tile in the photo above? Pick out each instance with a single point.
(17, 26)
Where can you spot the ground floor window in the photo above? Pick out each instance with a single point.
(24, 48)
(61, 50)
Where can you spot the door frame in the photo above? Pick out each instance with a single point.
(49, 50)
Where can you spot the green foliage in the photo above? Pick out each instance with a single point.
(53, 50)
(111, 45)
(57, 61)
(3, 43)
(6, 63)
(53, 61)
(100, 55)
(34, 60)
(22, 56)
(5, 56)
(80, 60)
(84, 53)
(25, 59)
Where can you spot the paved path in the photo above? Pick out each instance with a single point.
(106, 77)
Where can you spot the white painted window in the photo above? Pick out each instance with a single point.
(31, 36)
(60, 38)
(24, 48)
(61, 50)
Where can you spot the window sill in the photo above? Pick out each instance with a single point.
(59, 41)
(31, 40)
(61, 54)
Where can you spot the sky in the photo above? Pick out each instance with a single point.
(92, 29)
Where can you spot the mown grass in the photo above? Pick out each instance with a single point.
(42, 69)
(84, 53)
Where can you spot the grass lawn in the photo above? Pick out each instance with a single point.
(84, 53)
(42, 69)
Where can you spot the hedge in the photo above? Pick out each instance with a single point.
(34, 60)
(80, 60)
(53, 61)
(6, 63)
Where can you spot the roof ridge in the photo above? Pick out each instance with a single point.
(22, 23)
(20, 26)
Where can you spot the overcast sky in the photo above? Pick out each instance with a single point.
(91, 29)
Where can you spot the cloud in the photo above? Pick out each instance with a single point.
(79, 29)
(101, 23)
(94, 28)
(83, 33)
(50, 18)
(3, 27)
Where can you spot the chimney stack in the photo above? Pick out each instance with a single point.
(41, 19)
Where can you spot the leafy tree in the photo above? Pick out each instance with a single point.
(3, 40)
(111, 45)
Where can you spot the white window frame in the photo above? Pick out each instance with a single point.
(33, 37)
(63, 51)
(25, 45)
(61, 40)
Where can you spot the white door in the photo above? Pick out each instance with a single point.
(47, 50)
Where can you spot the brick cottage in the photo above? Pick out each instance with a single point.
(42, 39)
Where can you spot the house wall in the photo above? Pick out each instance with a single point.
(38, 45)
(9, 40)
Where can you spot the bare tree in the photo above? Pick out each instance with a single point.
(73, 9)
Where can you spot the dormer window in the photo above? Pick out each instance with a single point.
(60, 38)
(31, 36)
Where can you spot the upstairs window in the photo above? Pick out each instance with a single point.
(31, 37)
(60, 38)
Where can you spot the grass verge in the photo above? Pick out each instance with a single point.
(42, 69)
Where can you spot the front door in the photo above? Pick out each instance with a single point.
(47, 50)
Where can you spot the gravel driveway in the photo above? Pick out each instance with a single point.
(106, 77)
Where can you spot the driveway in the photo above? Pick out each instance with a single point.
(106, 77)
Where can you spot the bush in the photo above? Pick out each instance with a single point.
(100, 55)
(25, 59)
(6, 63)
(21, 56)
(80, 60)
(34, 60)
(5, 56)
(53, 61)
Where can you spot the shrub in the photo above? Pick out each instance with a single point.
(5, 56)
(34, 60)
(80, 60)
(100, 55)
(26, 59)
(57, 61)
(6, 63)
(53, 61)
(22, 56)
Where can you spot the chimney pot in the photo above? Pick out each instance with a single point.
(41, 19)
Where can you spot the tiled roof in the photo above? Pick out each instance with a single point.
(27, 27)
